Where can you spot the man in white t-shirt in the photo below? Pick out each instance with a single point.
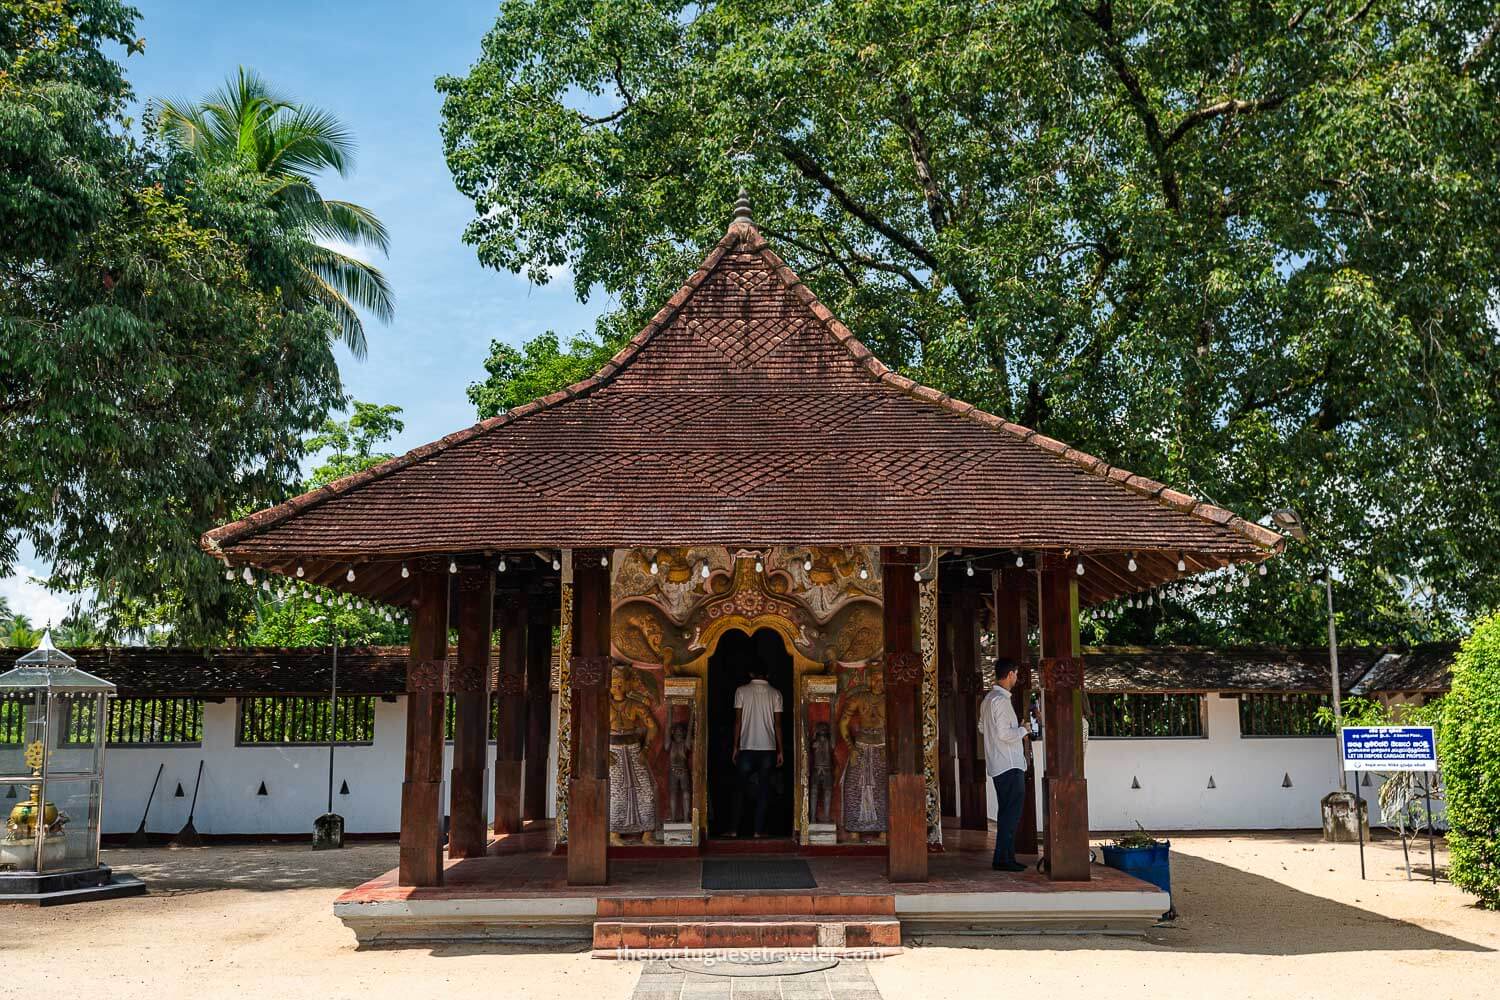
(757, 746)
(1005, 760)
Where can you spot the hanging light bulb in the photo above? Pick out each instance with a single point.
(1020, 561)
(864, 573)
(654, 568)
(300, 572)
(917, 576)
(1181, 563)
(1131, 565)
(1150, 599)
(228, 574)
(604, 560)
(1261, 569)
(502, 564)
(452, 565)
(556, 563)
(350, 575)
(1080, 565)
(807, 564)
(404, 571)
(969, 568)
(760, 567)
(249, 576)
(703, 569)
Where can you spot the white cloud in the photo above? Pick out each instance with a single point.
(26, 594)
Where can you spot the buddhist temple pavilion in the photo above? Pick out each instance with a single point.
(743, 483)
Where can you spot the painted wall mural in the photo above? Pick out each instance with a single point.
(672, 605)
(670, 608)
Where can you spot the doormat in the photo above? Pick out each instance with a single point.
(740, 876)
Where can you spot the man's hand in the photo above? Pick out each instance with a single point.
(734, 757)
(778, 757)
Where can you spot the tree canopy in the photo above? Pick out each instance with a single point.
(246, 126)
(1247, 249)
(157, 380)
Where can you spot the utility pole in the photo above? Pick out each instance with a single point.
(1333, 669)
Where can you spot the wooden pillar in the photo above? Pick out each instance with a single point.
(973, 777)
(947, 763)
(469, 680)
(1062, 685)
(906, 823)
(539, 614)
(589, 669)
(421, 856)
(510, 735)
(1013, 599)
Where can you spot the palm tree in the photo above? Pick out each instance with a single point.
(249, 126)
(19, 634)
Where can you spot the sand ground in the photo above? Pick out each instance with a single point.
(1262, 915)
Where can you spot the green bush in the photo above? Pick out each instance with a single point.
(1469, 749)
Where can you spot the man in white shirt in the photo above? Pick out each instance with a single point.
(1005, 760)
(757, 746)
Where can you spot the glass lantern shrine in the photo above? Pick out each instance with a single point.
(52, 722)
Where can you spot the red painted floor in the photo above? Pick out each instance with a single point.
(523, 866)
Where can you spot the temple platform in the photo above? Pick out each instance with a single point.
(519, 893)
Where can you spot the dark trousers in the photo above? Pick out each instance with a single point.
(1010, 791)
(754, 767)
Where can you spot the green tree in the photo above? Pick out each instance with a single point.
(351, 444)
(1469, 752)
(540, 366)
(19, 634)
(156, 380)
(1251, 249)
(247, 126)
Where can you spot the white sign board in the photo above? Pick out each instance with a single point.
(1388, 748)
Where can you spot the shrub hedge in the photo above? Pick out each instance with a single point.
(1469, 752)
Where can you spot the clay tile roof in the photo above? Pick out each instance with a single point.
(1424, 669)
(743, 413)
(1246, 668)
(228, 672)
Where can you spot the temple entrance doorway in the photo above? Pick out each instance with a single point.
(728, 668)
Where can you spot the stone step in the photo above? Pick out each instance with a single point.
(877, 933)
(749, 904)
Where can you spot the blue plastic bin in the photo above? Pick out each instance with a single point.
(1149, 864)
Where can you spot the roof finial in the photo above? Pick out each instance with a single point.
(742, 207)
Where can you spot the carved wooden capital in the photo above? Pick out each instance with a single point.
(431, 564)
(1062, 673)
(425, 675)
(585, 672)
(589, 558)
(903, 667)
(472, 579)
(466, 677)
(510, 685)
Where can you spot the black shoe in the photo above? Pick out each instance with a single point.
(1008, 866)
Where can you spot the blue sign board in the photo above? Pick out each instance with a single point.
(1388, 748)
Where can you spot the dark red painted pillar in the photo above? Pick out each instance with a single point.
(1062, 685)
(421, 853)
(469, 681)
(589, 669)
(510, 736)
(906, 834)
(539, 615)
(1014, 595)
(973, 807)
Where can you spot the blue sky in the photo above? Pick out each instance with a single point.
(373, 65)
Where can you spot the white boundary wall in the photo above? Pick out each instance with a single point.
(1173, 777)
(296, 780)
(1248, 773)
